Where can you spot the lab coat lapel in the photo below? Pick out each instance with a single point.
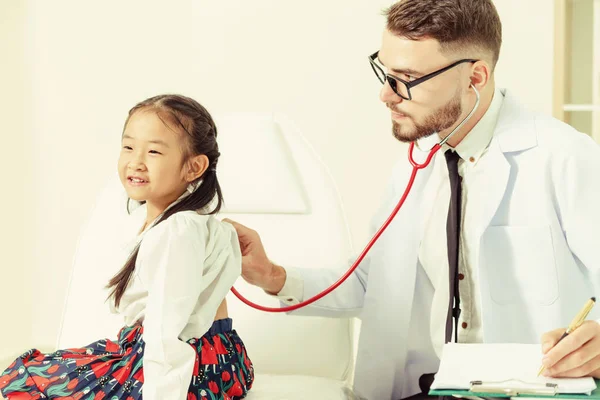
(515, 131)
(489, 186)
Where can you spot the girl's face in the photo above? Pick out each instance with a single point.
(151, 163)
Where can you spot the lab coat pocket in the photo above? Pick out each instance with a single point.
(520, 264)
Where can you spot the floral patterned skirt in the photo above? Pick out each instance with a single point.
(109, 370)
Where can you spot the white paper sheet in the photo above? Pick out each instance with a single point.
(463, 363)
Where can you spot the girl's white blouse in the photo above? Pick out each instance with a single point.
(184, 269)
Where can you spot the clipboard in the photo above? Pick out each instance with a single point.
(515, 388)
(503, 370)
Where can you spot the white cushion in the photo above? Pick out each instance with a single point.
(256, 169)
(95, 262)
(280, 343)
(297, 387)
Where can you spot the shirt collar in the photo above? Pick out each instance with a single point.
(472, 147)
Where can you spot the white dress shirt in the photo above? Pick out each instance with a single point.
(433, 250)
(184, 269)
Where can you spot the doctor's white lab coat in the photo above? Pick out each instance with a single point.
(538, 252)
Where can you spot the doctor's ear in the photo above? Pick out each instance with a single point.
(481, 73)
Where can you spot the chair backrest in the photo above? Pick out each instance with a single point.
(273, 182)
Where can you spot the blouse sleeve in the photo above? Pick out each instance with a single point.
(175, 253)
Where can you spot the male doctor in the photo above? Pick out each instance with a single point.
(499, 240)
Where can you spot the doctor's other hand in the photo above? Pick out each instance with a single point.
(577, 355)
(257, 269)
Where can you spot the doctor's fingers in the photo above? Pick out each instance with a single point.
(248, 238)
(240, 229)
(549, 339)
(590, 368)
(581, 362)
(588, 332)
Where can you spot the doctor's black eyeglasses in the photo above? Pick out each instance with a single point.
(402, 87)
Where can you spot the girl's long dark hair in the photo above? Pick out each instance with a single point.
(201, 136)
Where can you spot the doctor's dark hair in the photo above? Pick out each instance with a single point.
(459, 25)
(187, 117)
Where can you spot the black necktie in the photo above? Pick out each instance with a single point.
(453, 232)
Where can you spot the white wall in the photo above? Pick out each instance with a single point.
(16, 285)
(87, 64)
(527, 57)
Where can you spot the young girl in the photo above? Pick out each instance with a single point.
(178, 341)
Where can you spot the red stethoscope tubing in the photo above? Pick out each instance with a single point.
(411, 181)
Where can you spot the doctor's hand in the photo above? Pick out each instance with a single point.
(257, 269)
(575, 356)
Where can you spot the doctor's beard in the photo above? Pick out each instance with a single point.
(440, 119)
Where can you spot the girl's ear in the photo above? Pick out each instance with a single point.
(196, 167)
